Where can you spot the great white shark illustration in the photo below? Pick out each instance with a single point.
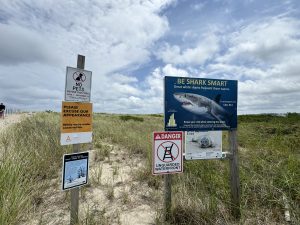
(201, 105)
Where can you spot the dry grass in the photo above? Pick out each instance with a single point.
(269, 168)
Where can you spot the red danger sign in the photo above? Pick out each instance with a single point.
(167, 152)
(167, 135)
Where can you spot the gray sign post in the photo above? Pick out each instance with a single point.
(76, 148)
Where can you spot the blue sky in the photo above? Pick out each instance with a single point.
(131, 45)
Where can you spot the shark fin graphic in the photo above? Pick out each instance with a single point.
(218, 98)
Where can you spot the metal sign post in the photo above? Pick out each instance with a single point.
(76, 147)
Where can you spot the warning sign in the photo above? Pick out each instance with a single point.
(76, 123)
(78, 85)
(167, 152)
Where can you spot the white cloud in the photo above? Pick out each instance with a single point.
(270, 41)
(40, 38)
(19, 45)
(264, 57)
(169, 70)
(114, 35)
(205, 50)
(198, 6)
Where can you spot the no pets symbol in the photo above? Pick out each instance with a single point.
(79, 76)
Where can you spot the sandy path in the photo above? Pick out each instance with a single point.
(10, 119)
(113, 196)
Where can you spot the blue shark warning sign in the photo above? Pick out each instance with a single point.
(198, 104)
(167, 152)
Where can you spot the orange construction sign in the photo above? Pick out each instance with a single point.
(76, 117)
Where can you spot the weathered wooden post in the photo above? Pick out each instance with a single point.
(234, 174)
(76, 148)
(168, 196)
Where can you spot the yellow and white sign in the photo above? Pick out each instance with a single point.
(76, 123)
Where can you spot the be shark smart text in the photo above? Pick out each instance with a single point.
(219, 83)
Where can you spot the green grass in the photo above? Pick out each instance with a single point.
(31, 154)
(269, 169)
(269, 159)
(270, 166)
(133, 118)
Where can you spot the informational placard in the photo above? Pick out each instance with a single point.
(76, 123)
(75, 170)
(198, 104)
(167, 152)
(78, 85)
(203, 145)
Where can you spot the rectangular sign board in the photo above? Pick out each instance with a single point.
(76, 123)
(203, 145)
(198, 104)
(78, 85)
(167, 153)
(75, 170)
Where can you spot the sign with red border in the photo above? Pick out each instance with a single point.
(167, 152)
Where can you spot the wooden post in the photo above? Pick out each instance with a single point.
(76, 148)
(234, 174)
(168, 196)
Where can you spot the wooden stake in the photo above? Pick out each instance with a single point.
(76, 148)
(234, 174)
(168, 196)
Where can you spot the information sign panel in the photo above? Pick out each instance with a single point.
(203, 145)
(78, 85)
(167, 152)
(75, 170)
(198, 104)
(76, 123)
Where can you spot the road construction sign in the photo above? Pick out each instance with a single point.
(167, 152)
(78, 85)
(76, 123)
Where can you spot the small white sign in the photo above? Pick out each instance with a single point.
(167, 152)
(76, 138)
(75, 170)
(203, 145)
(78, 85)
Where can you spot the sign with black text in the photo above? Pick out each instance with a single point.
(167, 152)
(203, 145)
(78, 85)
(76, 123)
(75, 170)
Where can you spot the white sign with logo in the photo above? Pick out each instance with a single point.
(75, 170)
(78, 85)
(203, 145)
(167, 152)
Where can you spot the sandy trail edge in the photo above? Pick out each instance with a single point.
(113, 196)
(10, 119)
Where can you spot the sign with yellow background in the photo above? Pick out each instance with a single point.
(76, 117)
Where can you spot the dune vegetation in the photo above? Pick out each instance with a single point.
(269, 159)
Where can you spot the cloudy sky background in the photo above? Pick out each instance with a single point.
(131, 45)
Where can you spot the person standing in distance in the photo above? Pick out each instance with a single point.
(2, 110)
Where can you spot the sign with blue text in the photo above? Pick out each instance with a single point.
(75, 170)
(198, 104)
